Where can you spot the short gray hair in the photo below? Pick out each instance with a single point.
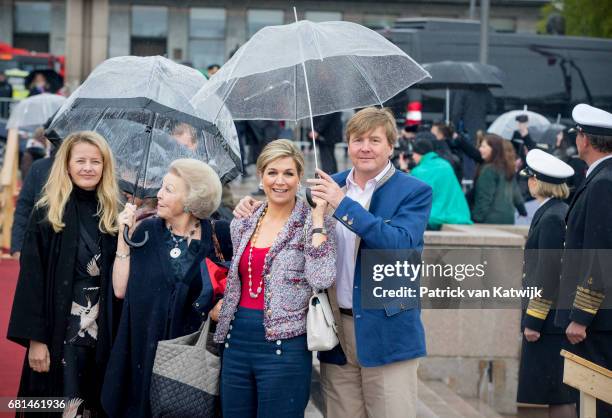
(203, 186)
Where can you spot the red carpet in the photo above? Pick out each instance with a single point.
(11, 354)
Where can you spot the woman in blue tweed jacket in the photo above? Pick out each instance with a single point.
(281, 253)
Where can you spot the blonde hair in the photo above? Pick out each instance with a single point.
(281, 148)
(59, 186)
(203, 186)
(369, 119)
(545, 189)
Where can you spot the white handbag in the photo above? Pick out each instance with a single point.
(320, 324)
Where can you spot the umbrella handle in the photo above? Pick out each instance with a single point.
(132, 244)
(309, 198)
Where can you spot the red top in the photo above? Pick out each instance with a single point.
(257, 263)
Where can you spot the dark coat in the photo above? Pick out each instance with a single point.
(574, 182)
(522, 145)
(43, 297)
(586, 284)
(541, 366)
(29, 194)
(260, 132)
(444, 150)
(6, 90)
(543, 268)
(329, 127)
(469, 109)
(463, 147)
(156, 307)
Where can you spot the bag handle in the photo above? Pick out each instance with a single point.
(325, 308)
(204, 328)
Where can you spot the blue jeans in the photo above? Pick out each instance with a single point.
(260, 378)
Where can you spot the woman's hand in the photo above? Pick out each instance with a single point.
(216, 310)
(318, 212)
(127, 217)
(38, 357)
(531, 335)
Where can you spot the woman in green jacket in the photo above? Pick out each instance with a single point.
(496, 193)
(449, 205)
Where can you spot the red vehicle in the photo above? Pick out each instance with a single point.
(16, 61)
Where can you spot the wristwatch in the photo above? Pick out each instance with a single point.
(319, 231)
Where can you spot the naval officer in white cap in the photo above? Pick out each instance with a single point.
(541, 366)
(586, 279)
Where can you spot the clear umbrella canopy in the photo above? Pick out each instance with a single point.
(34, 111)
(335, 65)
(506, 123)
(548, 137)
(141, 105)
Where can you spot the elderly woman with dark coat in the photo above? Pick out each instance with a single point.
(283, 251)
(162, 280)
(63, 301)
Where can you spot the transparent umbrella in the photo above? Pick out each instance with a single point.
(305, 69)
(141, 105)
(548, 138)
(506, 123)
(34, 111)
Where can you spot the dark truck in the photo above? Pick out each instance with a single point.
(548, 73)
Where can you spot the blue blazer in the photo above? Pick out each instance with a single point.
(396, 219)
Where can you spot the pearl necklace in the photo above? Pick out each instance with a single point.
(176, 251)
(255, 295)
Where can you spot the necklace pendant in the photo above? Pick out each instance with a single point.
(253, 295)
(175, 252)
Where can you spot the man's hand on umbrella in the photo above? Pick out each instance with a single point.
(246, 207)
(312, 134)
(326, 188)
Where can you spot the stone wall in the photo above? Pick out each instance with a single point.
(476, 351)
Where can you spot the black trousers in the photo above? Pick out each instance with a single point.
(327, 157)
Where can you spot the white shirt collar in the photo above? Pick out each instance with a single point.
(350, 179)
(544, 202)
(596, 163)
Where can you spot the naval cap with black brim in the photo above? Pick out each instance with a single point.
(591, 120)
(546, 167)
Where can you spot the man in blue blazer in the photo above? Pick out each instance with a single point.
(373, 371)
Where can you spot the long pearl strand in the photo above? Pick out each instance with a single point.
(256, 294)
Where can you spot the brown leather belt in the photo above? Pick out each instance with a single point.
(346, 311)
